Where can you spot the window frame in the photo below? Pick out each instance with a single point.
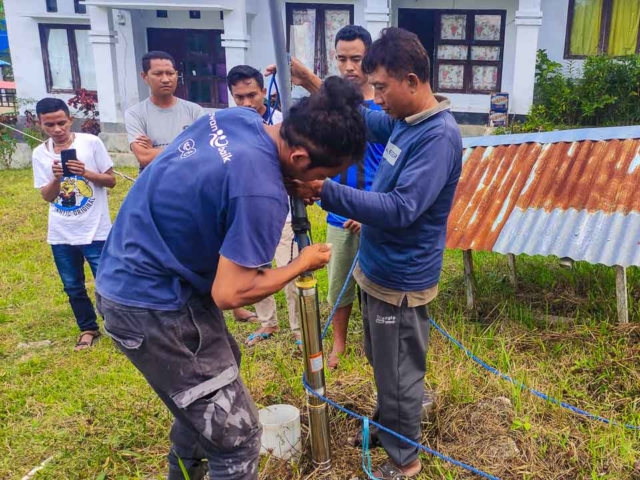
(79, 8)
(76, 80)
(470, 42)
(320, 15)
(51, 6)
(605, 32)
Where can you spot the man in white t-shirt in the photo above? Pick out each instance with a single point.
(79, 221)
(246, 85)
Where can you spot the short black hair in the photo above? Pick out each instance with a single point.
(155, 55)
(51, 105)
(244, 72)
(400, 52)
(328, 124)
(354, 32)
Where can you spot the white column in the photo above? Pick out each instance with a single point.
(528, 21)
(235, 38)
(103, 40)
(376, 15)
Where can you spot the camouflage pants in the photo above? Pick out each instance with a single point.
(192, 362)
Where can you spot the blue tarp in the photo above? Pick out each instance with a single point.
(4, 40)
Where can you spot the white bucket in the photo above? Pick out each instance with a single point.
(280, 431)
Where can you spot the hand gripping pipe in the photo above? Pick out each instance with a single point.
(308, 309)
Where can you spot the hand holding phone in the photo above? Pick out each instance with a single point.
(65, 156)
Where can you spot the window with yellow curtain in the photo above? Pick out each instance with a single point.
(625, 21)
(585, 28)
(602, 27)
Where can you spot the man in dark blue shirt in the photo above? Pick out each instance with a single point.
(199, 225)
(404, 220)
(343, 234)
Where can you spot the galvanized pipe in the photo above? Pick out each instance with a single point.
(308, 308)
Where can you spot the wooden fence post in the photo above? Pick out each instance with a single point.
(622, 298)
(511, 261)
(469, 280)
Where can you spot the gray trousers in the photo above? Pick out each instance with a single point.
(192, 362)
(396, 340)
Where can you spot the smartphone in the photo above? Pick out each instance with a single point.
(65, 156)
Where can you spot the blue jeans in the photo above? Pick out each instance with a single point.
(70, 262)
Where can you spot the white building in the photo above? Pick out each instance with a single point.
(477, 46)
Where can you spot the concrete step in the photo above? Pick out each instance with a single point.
(115, 142)
(123, 159)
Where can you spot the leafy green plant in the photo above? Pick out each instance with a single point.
(8, 142)
(605, 92)
(33, 135)
(519, 424)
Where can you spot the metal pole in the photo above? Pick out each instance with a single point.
(308, 309)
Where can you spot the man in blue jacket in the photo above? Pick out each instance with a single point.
(404, 220)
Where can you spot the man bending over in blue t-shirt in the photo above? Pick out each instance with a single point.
(199, 225)
(404, 222)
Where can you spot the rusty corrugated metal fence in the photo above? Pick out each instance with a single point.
(573, 193)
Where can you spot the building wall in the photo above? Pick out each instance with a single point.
(468, 103)
(134, 87)
(131, 27)
(553, 33)
(23, 17)
(261, 52)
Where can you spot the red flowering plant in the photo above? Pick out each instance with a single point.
(86, 103)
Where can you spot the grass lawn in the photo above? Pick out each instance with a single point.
(95, 415)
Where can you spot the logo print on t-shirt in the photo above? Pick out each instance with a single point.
(187, 148)
(75, 196)
(219, 139)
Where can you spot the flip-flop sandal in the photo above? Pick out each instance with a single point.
(356, 441)
(84, 345)
(299, 344)
(259, 337)
(247, 319)
(390, 472)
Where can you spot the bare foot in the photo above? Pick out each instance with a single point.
(263, 333)
(334, 356)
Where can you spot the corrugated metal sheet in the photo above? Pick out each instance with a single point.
(572, 194)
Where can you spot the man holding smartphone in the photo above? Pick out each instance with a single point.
(72, 172)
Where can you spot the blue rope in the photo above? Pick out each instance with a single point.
(413, 443)
(270, 110)
(344, 289)
(275, 84)
(522, 386)
(366, 454)
(488, 367)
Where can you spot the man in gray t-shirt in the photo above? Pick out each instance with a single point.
(155, 122)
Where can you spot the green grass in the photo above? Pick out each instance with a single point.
(95, 414)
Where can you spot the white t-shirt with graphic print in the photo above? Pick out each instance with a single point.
(80, 213)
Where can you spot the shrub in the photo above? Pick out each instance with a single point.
(605, 93)
(86, 103)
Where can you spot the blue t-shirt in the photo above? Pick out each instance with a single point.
(216, 190)
(359, 175)
(404, 216)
